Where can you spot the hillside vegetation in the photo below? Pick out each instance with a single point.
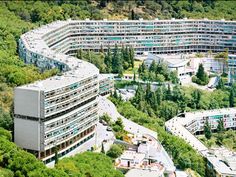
(18, 17)
(168, 9)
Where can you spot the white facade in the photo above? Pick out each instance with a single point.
(209, 64)
(193, 122)
(155, 36)
(60, 111)
(177, 63)
(106, 84)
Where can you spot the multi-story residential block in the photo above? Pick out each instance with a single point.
(106, 84)
(231, 68)
(61, 111)
(192, 123)
(156, 36)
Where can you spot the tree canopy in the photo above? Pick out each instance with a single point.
(88, 164)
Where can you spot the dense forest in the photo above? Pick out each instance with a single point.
(18, 17)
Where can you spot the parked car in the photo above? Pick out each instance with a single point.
(109, 129)
(104, 123)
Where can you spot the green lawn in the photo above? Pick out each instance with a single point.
(135, 69)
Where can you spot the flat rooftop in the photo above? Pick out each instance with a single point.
(68, 78)
(77, 69)
(176, 127)
(210, 112)
(220, 166)
(143, 173)
(173, 60)
(105, 76)
(223, 160)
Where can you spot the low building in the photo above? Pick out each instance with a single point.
(210, 64)
(144, 173)
(126, 94)
(131, 159)
(106, 84)
(148, 155)
(175, 62)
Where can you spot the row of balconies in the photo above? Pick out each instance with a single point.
(200, 30)
(57, 31)
(73, 93)
(72, 133)
(154, 38)
(66, 120)
(68, 88)
(70, 103)
(81, 138)
(69, 126)
(135, 23)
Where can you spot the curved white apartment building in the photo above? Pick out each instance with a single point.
(59, 111)
(62, 110)
(156, 36)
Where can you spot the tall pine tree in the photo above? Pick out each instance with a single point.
(108, 60)
(220, 126)
(117, 61)
(131, 56)
(207, 130)
(231, 98)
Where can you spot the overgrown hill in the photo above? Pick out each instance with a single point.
(151, 9)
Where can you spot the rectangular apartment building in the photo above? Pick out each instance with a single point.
(195, 121)
(49, 116)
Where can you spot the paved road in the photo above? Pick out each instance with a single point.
(106, 106)
(201, 87)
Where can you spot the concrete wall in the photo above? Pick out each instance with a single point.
(27, 102)
(27, 133)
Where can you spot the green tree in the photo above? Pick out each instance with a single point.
(131, 56)
(207, 130)
(103, 149)
(168, 110)
(153, 66)
(115, 151)
(6, 120)
(106, 118)
(118, 125)
(80, 54)
(196, 97)
(117, 61)
(88, 164)
(231, 98)
(220, 84)
(56, 154)
(5, 134)
(159, 95)
(115, 95)
(220, 126)
(139, 95)
(202, 76)
(134, 78)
